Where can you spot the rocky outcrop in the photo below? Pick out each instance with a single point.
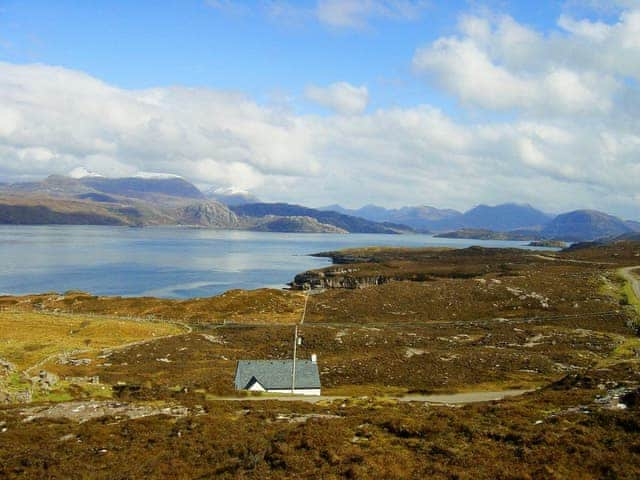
(337, 278)
(208, 214)
(300, 224)
(45, 380)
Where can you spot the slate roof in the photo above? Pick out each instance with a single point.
(276, 374)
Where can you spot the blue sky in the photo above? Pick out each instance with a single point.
(141, 44)
(392, 102)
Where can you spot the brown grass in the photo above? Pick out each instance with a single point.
(242, 306)
(440, 335)
(28, 338)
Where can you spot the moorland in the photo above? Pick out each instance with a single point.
(143, 387)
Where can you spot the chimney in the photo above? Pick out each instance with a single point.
(314, 358)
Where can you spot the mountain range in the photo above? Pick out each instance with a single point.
(506, 221)
(153, 199)
(422, 218)
(501, 218)
(164, 200)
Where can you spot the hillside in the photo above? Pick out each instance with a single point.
(339, 220)
(584, 225)
(54, 210)
(135, 187)
(295, 224)
(53, 185)
(633, 225)
(207, 214)
(40, 214)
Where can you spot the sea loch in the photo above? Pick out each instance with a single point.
(172, 262)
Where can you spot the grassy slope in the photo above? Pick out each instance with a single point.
(242, 306)
(28, 338)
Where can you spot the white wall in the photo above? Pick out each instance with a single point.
(302, 391)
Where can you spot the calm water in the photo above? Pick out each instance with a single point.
(171, 262)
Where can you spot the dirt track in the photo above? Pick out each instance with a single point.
(628, 274)
(447, 399)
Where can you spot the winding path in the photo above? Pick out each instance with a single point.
(629, 275)
(553, 258)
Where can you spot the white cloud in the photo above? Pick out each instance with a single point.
(572, 95)
(340, 97)
(82, 121)
(595, 31)
(497, 64)
(571, 138)
(82, 172)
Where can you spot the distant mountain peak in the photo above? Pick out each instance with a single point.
(156, 175)
(231, 195)
(581, 225)
(503, 217)
(144, 186)
(82, 172)
(230, 191)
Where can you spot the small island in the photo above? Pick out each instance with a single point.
(548, 243)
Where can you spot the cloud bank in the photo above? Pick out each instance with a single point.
(341, 97)
(551, 124)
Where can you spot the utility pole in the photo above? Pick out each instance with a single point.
(293, 370)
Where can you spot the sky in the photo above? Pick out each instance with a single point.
(390, 102)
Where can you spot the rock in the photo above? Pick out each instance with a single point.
(6, 367)
(631, 399)
(336, 278)
(213, 339)
(301, 224)
(76, 362)
(45, 380)
(208, 214)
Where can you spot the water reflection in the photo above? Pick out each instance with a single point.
(171, 262)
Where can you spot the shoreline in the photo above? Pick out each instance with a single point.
(176, 262)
